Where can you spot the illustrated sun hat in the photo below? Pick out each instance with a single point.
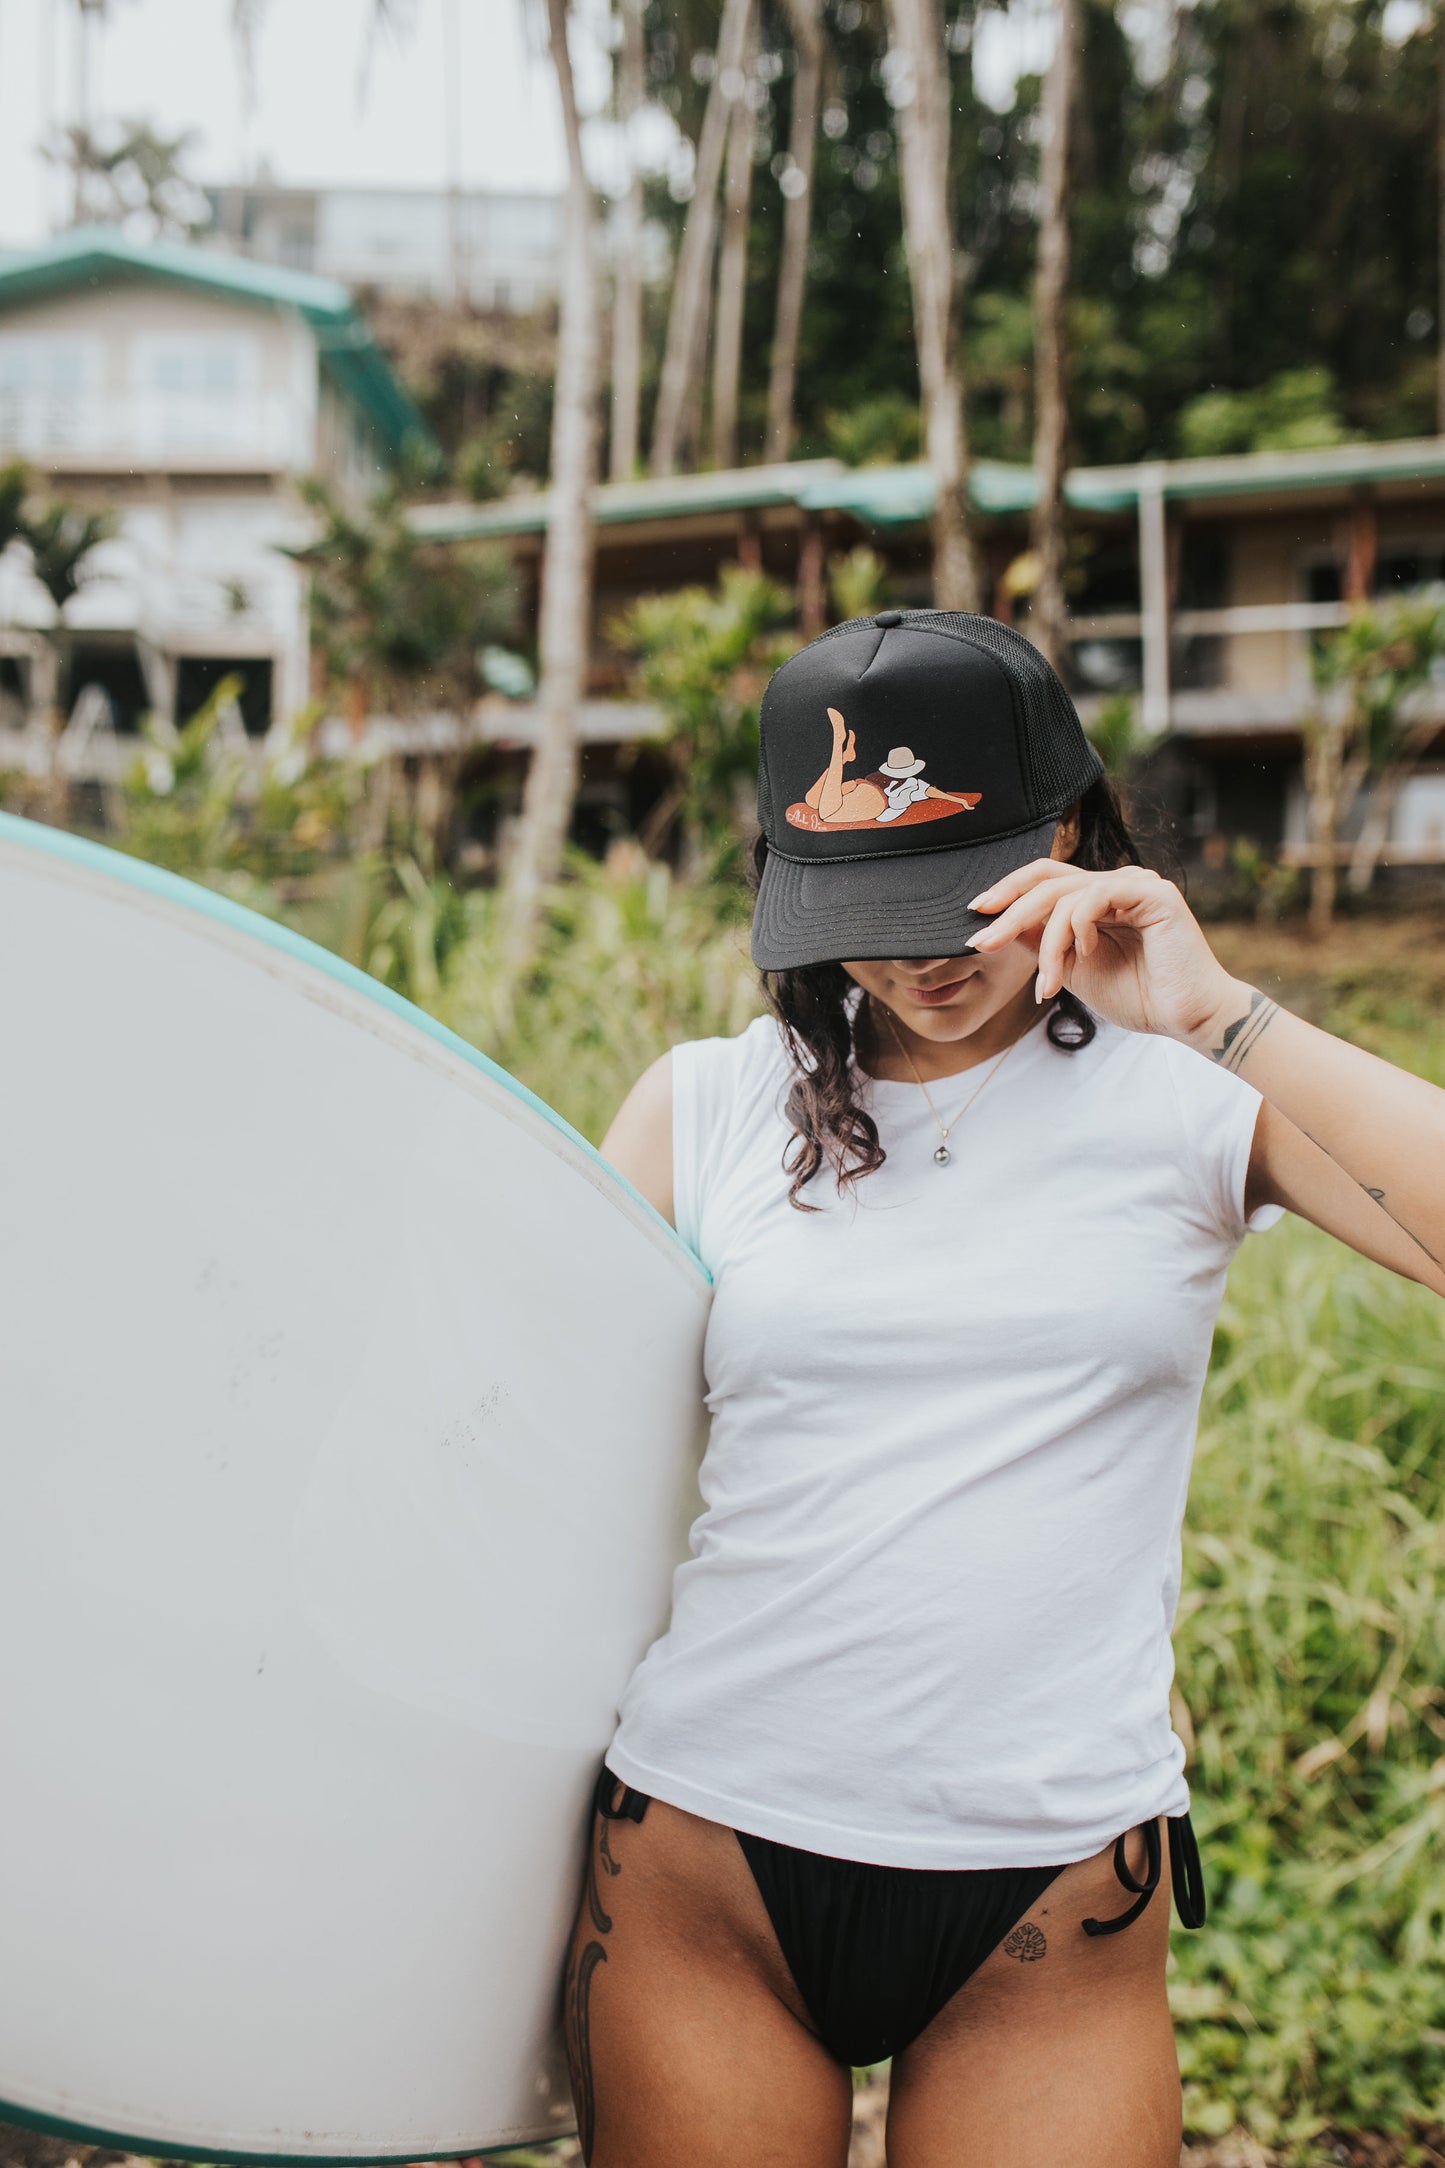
(964, 703)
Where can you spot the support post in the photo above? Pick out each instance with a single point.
(812, 580)
(1154, 600)
(1359, 581)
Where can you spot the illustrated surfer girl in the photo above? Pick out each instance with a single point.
(893, 792)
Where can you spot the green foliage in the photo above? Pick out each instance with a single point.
(630, 960)
(1114, 731)
(1384, 652)
(1298, 410)
(487, 463)
(876, 431)
(1311, 1649)
(859, 582)
(998, 368)
(1267, 887)
(130, 176)
(60, 538)
(197, 802)
(705, 656)
(15, 481)
(398, 622)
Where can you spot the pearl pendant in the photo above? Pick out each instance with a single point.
(942, 1156)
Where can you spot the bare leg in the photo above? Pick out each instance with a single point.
(685, 2035)
(826, 795)
(1066, 2056)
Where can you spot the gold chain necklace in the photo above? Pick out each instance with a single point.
(943, 1155)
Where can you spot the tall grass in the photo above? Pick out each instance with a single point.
(1311, 1654)
(631, 961)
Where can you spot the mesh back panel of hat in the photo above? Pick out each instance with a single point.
(1061, 763)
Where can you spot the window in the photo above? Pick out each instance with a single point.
(197, 677)
(48, 392)
(191, 365)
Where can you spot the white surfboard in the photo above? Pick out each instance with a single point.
(349, 1412)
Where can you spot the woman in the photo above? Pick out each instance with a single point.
(900, 1777)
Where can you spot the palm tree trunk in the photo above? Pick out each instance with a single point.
(689, 432)
(564, 630)
(806, 19)
(921, 93)
(1322, 781)
(1048, 625)
(694, 258)
(727, 352)
(627, 279)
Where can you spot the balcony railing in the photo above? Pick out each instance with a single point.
(1205, 691)
(264, 430)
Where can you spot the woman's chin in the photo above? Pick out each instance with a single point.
(961, 1009)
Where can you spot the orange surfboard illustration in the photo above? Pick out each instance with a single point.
(892, 795)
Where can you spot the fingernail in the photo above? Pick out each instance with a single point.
(982, 897)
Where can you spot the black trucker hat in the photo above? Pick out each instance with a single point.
(909, 760)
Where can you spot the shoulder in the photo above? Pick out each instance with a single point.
(639, 1142)
(682, 1105)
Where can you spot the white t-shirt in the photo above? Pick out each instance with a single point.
(925, 1620)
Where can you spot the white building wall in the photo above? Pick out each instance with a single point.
(148, 376)
(185, 416)
(499, 251)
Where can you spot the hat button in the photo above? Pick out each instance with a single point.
(886, 619)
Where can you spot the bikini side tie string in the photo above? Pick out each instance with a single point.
(1145, 1889)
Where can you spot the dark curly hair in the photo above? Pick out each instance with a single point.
(824, 1032)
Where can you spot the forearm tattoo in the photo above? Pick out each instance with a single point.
(1245, 1031)
(1382, 1201)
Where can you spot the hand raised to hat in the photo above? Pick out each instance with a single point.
(1344, 1138)
(1125, 942)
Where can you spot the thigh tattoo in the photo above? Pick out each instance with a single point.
(586, 1957)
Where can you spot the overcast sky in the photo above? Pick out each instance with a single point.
(174, 63)
(313, 118)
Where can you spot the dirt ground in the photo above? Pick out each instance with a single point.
(1403, 955)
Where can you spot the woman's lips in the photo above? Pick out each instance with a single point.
(933, 997)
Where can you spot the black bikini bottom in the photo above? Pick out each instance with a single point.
(876, 1952)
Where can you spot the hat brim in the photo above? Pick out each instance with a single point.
(911, 903)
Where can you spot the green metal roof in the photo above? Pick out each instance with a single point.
(678, 496)
(902, 496)
(99, 255)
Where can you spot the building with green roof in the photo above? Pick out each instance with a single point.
(185, 390)
(1197, 586)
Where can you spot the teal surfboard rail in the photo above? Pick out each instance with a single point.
(56, 2126)
(191, 895)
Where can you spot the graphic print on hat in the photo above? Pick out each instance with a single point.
(892, 793)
